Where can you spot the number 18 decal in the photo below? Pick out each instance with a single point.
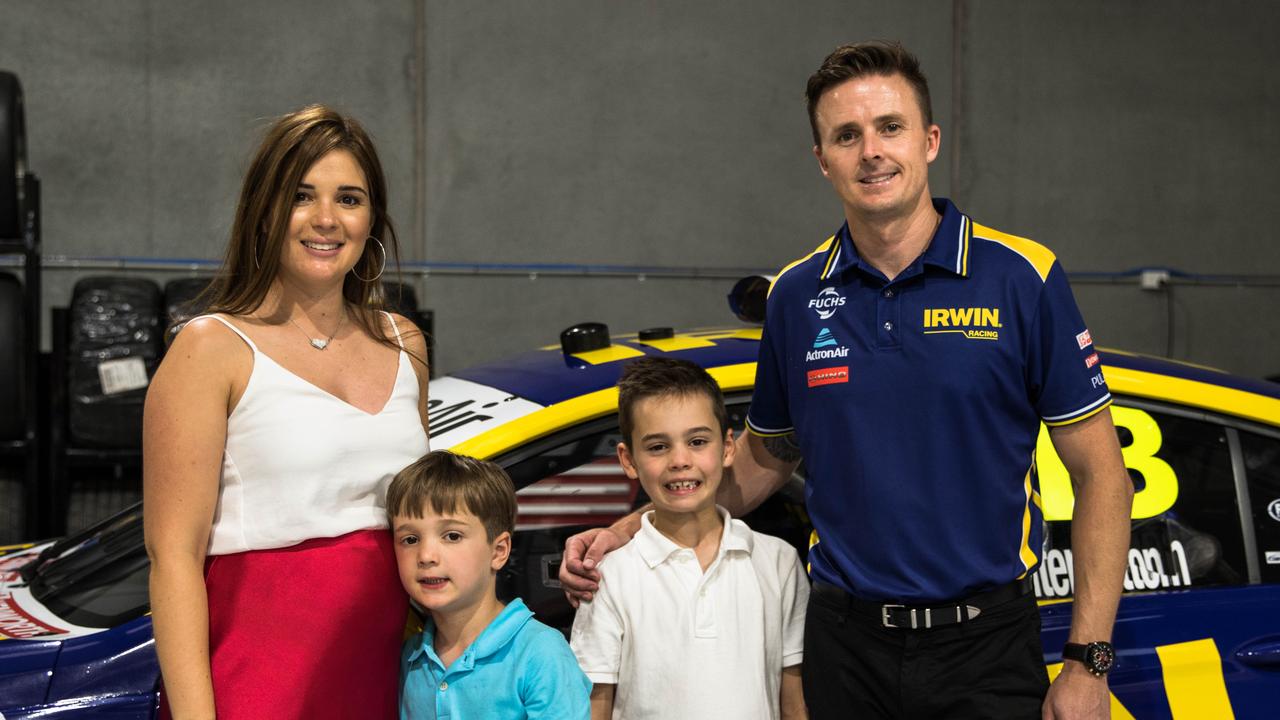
(1161, 484)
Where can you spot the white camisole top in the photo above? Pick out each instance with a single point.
(300, 463)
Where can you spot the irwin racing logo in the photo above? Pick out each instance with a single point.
(827, 302)
(825, 347)
(973, 322)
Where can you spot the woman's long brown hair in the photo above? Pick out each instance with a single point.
(291, 146)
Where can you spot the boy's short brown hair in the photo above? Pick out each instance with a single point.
(449, 483)
(661, 376)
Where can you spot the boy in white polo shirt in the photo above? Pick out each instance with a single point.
(698, 616)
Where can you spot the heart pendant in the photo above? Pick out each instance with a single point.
(319, 344)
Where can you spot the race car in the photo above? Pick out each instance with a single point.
(1197, 636)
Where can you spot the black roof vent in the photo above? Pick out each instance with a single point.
(658, 333)
(584, 337)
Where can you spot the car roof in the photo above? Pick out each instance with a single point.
(547, 376)
(576, 387)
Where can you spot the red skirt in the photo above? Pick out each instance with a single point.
(309, 631)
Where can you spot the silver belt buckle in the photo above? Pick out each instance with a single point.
(915, 616)
(884, 615)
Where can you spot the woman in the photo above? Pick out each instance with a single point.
(270, 433)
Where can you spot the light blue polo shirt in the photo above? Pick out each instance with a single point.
(917, 402)
(517, 668)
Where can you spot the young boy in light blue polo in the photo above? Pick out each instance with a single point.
(451, 519)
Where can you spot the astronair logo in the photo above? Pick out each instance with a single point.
(826, 347)
(973, 322)
(827, 302)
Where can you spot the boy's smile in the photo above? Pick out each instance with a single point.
(678, 452)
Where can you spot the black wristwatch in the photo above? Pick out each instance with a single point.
(1098, 657)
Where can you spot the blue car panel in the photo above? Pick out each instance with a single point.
(1201, 646)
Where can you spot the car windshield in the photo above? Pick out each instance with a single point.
(97, 577)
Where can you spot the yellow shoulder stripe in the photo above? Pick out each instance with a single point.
(1040, 257)
(821, 248)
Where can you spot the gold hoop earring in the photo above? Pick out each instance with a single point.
(380, 269)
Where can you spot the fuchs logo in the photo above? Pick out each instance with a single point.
(827, 302)
(828, 376)
(1090, 361)
(1274, 509)
(1084, 340)
(820, 344)
(974, 323)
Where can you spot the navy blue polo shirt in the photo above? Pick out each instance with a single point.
(917, 403)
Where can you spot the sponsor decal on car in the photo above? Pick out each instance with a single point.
(18, 624)
(1273, 509)
(459, 410)
(13, 562)
(1084, 339)
(1055, 577)
(1273, 557)
(1157, 494)
(828, 376)
(974, 323)
(827, 302)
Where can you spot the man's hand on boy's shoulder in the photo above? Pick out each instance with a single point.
(579, 568)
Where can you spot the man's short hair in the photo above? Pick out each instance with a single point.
(874, 57)
(450, 483)
(663, 377)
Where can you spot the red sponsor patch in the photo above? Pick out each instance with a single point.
(14, 561)
(16, 623)
(1091, 360)
(829, 376)
(1084, 340)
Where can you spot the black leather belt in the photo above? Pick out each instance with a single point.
(923, 617)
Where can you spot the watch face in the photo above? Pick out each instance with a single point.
(1099, 657)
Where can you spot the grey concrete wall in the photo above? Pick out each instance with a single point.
(657, 133)
(142, 114)
(1129, 135)
(672, 133)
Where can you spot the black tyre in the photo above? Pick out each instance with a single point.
(12, 348)
(13, 154)
(113, 319)
(180, 304)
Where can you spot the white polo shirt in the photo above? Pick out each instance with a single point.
(681, 643)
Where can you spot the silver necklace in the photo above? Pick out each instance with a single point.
(320, 343)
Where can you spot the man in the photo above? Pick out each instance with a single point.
(910, 360)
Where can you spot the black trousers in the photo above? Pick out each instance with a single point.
(989, 667)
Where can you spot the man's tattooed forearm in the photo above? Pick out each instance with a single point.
(783, 447)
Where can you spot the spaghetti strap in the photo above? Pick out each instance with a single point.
(234, 329)
(394, 327)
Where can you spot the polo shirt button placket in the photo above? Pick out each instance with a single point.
(887, 316)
